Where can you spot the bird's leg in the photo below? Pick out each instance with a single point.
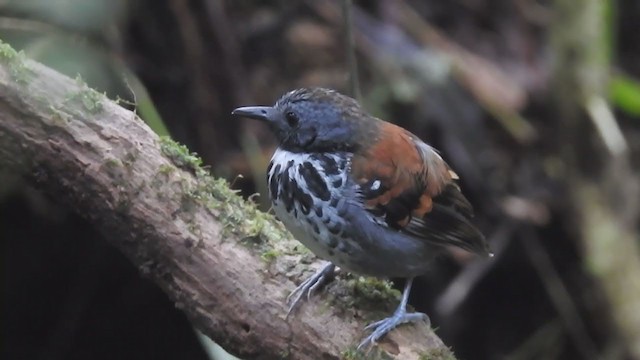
(400, 316)
(310, 285)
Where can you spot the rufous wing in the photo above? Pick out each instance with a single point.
(405, 183)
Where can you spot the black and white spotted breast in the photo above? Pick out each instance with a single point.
(308, 193)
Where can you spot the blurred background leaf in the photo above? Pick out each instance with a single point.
(625, 94)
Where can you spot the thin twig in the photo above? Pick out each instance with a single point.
(350, 49)
(459, 289)
(559, 295)
(606, 124)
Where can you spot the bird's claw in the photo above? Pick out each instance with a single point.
(310, 286)
(382, 327)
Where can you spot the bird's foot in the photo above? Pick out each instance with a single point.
(382, 327)
(310, 285)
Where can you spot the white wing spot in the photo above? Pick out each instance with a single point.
(376, 185)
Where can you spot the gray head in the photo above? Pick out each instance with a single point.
(312, 120)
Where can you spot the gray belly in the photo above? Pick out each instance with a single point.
(322, 233)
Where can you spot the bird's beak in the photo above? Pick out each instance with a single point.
(264, 113)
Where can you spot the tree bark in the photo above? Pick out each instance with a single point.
(228, 266)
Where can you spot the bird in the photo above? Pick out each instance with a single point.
(363, 194)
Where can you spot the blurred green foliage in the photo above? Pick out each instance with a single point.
(625, 94)
(86, 16)
(80, 38)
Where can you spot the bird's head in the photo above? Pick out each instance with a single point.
(314, 120)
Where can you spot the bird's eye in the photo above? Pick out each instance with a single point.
(292, 118)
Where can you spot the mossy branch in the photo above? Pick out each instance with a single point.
(227, 265)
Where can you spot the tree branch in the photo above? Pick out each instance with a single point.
(228, 266)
